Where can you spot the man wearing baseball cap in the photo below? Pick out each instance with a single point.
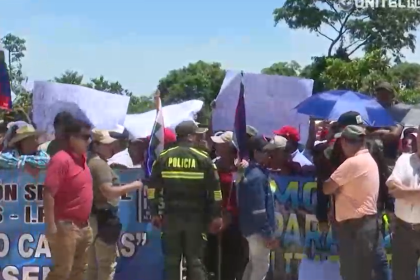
(390, 136)
(385, 94)
(293, 137)
(120, 157)
(186, 179)
(256, 211)
(348, 118)
(280, 157)
(104, 219)
(251, 131)
(355, 188)
(327, 158)
(234, 255)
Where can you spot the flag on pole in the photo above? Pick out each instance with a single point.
(5, 91)
(157, 138)
(156, 145)
(240, 137)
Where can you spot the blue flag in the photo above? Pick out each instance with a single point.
(240, 123)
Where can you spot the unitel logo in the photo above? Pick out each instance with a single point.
(347, 5)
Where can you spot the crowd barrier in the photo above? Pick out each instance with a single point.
(25, 255)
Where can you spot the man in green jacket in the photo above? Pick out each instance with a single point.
(187, 181)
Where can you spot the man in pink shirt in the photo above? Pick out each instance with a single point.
(355, 186)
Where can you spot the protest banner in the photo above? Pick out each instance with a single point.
(140, 125)
(265, 95)
(24, 251)
(83, 103)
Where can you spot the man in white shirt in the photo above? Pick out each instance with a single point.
(404, 185)
(121, 157)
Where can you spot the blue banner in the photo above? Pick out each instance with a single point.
(24, 251)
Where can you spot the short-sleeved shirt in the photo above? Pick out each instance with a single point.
(358, 178)
(102, 173)
(406, 172)
(69, 181)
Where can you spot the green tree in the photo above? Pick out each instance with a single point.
(140, 104)
(360, 74)
(407, 74)
(16, 49)
(198, 80)
(351, 28)
(70, 77)
(290, 69)
(409, 96)
(102, 84)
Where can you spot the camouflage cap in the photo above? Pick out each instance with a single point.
(352, 132)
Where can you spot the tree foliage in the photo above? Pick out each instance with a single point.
(407, 75)
(290, 69)
(360, 74)
(69, 77)
(363, 74)
(16, 49)
(198, 80)
(352, 28)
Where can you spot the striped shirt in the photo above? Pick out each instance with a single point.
(11, 159)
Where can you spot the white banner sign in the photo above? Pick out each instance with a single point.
(101, 109)
(140, 125)
(269, 102)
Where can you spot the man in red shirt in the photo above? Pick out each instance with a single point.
(68, 199)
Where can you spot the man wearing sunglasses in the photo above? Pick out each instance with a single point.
(68, 199)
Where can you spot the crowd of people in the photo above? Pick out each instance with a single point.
(217, 210)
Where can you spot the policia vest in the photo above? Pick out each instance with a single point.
(186, 179)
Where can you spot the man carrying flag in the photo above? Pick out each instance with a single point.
(186, 179)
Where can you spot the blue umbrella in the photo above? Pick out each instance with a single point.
(330, 105)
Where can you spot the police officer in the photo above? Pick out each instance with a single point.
(187, 181)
